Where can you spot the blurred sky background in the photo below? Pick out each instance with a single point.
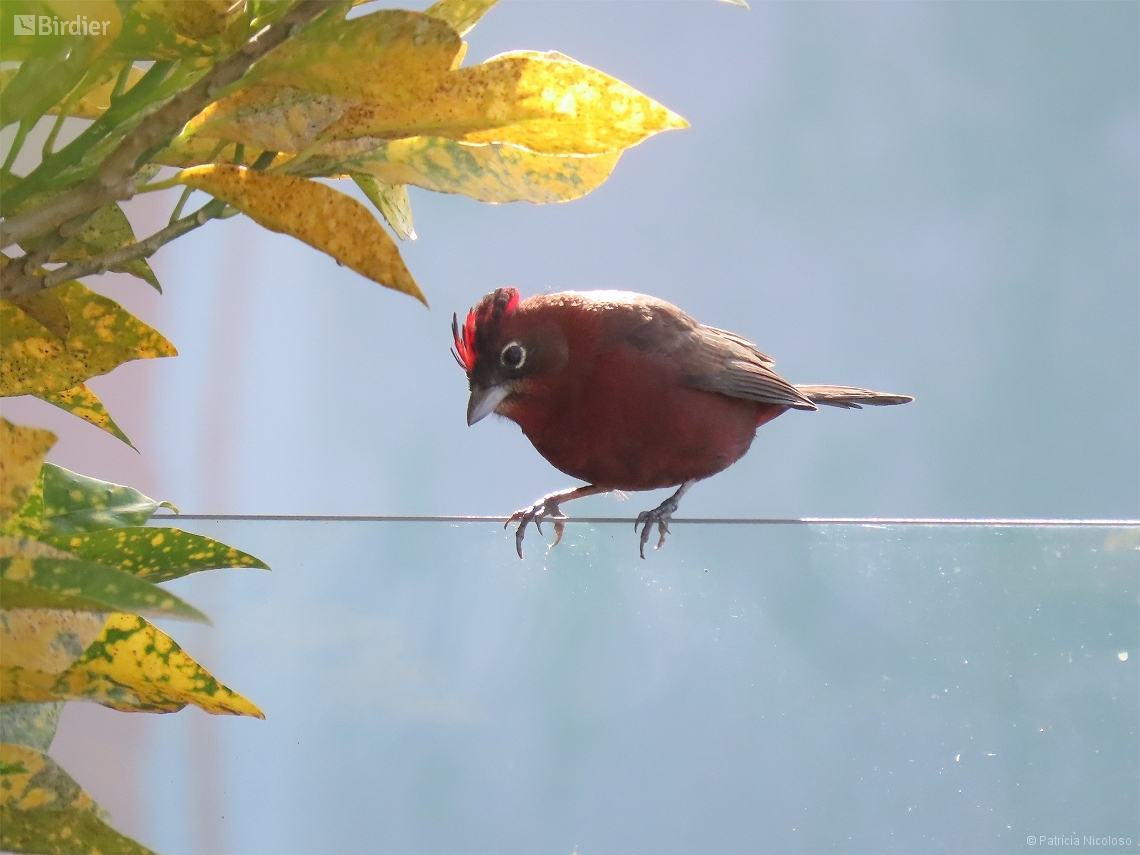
(938, 199)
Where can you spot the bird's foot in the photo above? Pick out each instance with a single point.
(661, 515)
(545, 508)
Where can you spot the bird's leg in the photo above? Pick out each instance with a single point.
(660, 515)
(547, 508)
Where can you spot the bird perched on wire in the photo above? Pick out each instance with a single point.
(625, 392)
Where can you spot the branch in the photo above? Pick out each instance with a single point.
(114, 180)
(17, 282)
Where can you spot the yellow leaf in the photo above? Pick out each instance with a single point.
(22, 451)
(323, 218)
(387, 55)
(80, 401)
(196, 19)
(273, 118)
(546, 103)
(197, 151)
(38, 646)
(462, 15)
(488, 173)
(25, 787)
(101, 336)
(96, 11)
(134, 666)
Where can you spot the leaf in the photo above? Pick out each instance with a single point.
(462, 15)
(323, 218)
(546, 103)
(53, 68)
(27, 521)
(22, 451)
(107, 229)
(33, 725)
(195, 19)
(389, 55)
(147, 36)
(154, 554)
(134, 666)
(102, 335)
(488, 173)
(38, 646)
(272, 118)
(75, 503)
(85, 404)
(30, 579)
(62, 832)
(97, 100)
(45, 811)
(392, 201)
(46, 308)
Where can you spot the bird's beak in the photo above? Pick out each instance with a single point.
(484, 401)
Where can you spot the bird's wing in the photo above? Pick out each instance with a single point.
(726, 363)
(707, 358)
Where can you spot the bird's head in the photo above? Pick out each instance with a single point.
(501, 346)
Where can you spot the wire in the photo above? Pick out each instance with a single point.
(917, 521)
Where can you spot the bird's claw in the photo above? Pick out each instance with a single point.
(659, 515)
(536, 513)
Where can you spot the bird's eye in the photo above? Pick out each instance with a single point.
(513, 355)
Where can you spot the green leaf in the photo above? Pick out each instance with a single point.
(107, 229)
(60, 583)
(62, 832)
(33, 725)
(462, 15)
(75, 503)
(154, 554)
(46, 77)
(392, 201)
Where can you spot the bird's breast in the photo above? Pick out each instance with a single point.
(627, 422)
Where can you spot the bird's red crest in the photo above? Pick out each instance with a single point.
(482, 326)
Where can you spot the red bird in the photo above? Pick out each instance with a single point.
(624, 391)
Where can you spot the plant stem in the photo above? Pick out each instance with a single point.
(121, 82)
(17, 144)
(186, 191)
(114, 180)
(15, 285)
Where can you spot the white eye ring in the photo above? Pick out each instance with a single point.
(517, 355)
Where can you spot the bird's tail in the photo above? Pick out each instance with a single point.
(849, 397)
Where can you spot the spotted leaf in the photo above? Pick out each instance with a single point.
(154, 554)
(22, 451)
(75, 503)
(546, 103)
(101, 336)
(323, 218)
